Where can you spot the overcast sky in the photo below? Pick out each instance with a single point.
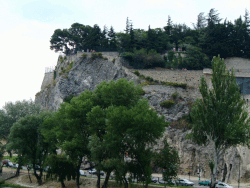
(26, 28)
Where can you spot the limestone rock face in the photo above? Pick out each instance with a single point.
(84, 74)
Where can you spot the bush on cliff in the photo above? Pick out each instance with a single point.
(141, 59)
(167, 104)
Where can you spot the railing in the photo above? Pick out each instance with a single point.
(49, 69)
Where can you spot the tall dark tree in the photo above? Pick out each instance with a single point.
(213, 17)
(201, 21)
(127, 29)
(112, 38)
(104, 37)
(132, 38)
(168, 28)
(220, 117)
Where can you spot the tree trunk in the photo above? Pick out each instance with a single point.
(38, 177)
(18, 170)
(214, 169)
(29, 175)
(98, 185)
(62, 184)
(78, 176)
(105, 185)
(125, 183)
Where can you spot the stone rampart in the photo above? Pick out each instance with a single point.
(48, 78)
(191, 77)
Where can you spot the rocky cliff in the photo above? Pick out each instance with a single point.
(74, 74)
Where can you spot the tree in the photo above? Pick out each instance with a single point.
(112, 38)
(219, 118)
(26, 139)
(106, 95)
(132, 38)
(127, 26)
(195, 59)
(133, 131)
(201, 22)
(69, 128)
(60, 41)
(167, 159)
(10, 114)
(213, 17)
(61, 167)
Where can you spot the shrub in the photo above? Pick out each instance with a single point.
(174, 95)
(96, 55)
(99, 54)
(61, 68)
(71, 65)
(167, 104)
(84, 56)
(145, 83)
(149, 79)
(142, 92)
(54, 74)
(65, 57)
(113, 60)
(137, 73)
(105, 58)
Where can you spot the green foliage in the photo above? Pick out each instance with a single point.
(96, 55)
(220, 117)
(12, 112)
(60, 167)
(137, 73)
(195, 59)
(167, 158)
(113, 60)
(105, 58)
(70, 65)
(84, 56)
(54, 74)
(26, 140)
(167, 104)
(175, 95)
(68, 99)
(182, 85)
(142, 59)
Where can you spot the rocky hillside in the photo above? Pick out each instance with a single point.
(74, 74)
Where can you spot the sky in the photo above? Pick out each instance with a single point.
(27, 25)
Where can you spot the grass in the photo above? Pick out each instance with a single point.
(12, 159)
(151, 81)
(2, 184)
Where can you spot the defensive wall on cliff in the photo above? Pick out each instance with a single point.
(192, 78)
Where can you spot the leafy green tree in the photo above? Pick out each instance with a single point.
(219, 118)
(134, 131)
(120, 93)
(195, 59)
(60, 41)
(60, 167)
(69, 128)
(10, 114)
(168, 160)
(26, 139)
